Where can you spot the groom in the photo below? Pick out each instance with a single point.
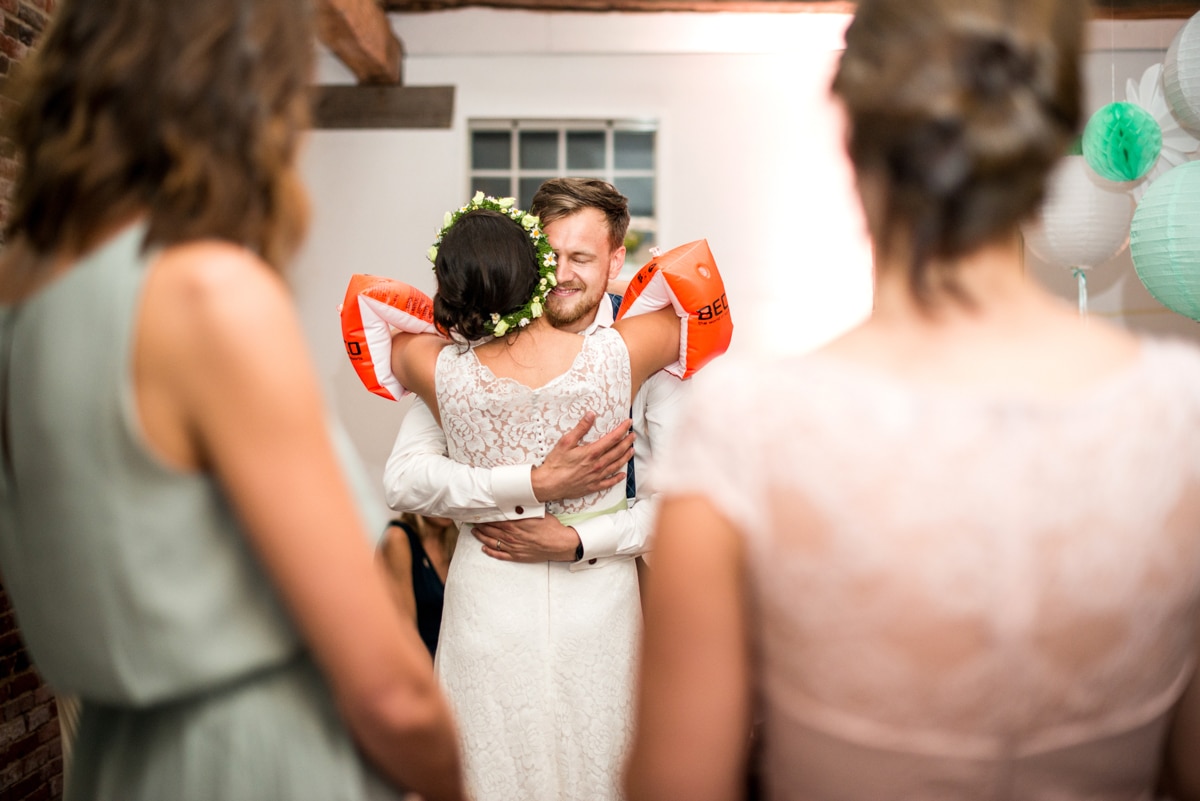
(585, 221)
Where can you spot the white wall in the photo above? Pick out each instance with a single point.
(749, 158)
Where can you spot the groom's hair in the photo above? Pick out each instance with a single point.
(562, 197)
(485, 265)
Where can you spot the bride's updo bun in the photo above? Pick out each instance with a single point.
(485, 265)
(957, 113)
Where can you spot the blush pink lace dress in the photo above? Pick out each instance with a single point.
(959, 596)
(537, 660)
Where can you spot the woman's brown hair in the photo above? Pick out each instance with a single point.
(186, 111)
(957, 112)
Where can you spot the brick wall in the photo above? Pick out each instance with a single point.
(30, 749)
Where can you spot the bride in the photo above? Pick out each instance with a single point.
(536, 660)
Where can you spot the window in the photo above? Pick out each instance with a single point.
(511, 158)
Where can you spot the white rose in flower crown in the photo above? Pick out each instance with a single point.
(505, 202)
(535, 309)
(501, 327)
(478, 198)
(431, 254)
(528, 221)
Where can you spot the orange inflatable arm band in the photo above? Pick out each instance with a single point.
(686, 278)
(372, 308)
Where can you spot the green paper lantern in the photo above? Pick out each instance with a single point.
(1164, 239)
(1122, 141)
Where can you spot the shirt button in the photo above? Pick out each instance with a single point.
(520, 510)
(591, 561)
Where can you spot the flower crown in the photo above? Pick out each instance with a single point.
(546, 262)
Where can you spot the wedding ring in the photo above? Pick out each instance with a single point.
(498, 548)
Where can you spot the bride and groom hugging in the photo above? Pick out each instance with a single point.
(540, 628)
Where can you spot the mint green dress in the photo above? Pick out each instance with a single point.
(133, 584)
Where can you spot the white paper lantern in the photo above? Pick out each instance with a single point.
(1178, 146)
(1084, 220)
(1181, 75)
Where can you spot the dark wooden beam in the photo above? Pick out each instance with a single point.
(802, 6)
(1117, 9)
(1144, 9)
(365, 106)
(358, 33)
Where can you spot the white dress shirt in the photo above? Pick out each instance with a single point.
(420, 477)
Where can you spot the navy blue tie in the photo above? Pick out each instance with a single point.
(630, 481)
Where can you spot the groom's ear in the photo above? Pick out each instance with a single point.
(616, 262)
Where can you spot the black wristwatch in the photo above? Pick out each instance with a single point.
(579, 551)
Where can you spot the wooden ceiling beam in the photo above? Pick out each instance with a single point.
(823, 6)
(382, 107)
(358, 33)
(1116, 9)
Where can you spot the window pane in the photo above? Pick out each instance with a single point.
(528, 187)
(633, 150)
(637, 247)
(496, 187)
(539, 150)
(640, 192)
(585, 150)
(491, 150)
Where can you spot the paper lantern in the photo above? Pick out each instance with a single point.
(1181, 75)
(1083, 221)
(1122, 141)
(1164, 240)
(1178, 145)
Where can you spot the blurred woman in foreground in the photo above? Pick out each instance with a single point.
(955, 554)
(178, 534)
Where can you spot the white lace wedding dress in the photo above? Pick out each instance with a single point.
(538, 661)
(958, 595)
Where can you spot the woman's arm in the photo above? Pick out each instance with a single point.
(225, 380)
(652, 340)
(694, 707)
(414, 361)
(1181, 760)
(395, 557)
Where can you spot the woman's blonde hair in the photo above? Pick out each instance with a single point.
(186, 111)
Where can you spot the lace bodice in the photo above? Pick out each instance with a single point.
(959, 596)
(537, 660)
(492, 420)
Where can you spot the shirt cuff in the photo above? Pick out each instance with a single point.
(512, 486)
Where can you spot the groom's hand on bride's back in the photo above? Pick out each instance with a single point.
(530, 540)
(573, 470)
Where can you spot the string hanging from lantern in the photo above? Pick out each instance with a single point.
(1081, 278)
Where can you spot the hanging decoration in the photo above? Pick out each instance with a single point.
(1083, 221)
(1165, 240)
(1121, 142)
(1181, 75)
(1178, 146)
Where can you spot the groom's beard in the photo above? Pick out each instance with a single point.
(562, 311)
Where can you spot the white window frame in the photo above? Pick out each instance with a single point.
(609, 172)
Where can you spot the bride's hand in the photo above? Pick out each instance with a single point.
(572, 470)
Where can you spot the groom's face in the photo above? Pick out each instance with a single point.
(586, 263)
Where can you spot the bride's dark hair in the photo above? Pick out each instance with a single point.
(485, 265)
